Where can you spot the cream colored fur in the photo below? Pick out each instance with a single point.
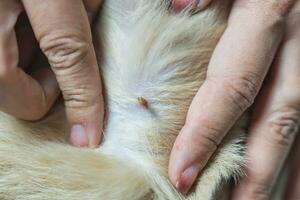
(149, 53)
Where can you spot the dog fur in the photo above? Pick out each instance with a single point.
(149, 55)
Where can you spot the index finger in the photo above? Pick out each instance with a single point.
(63, 31)
(237, 69)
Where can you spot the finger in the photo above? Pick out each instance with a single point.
(25, 97)
(20, 95)
(65, 38)
(234, 77)
(179, 5)
(293, 184)
(275, 123)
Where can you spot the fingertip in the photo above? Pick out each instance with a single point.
(187, 179)
(184, 166)
(176, 165)
(183, 178)
(86, 107)
(78, 136)
(86, 135)
(94, 132)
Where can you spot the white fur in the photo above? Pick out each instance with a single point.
(149, 53)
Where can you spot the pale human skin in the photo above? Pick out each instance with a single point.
(261, 43)
(236, 73)
(62, 30)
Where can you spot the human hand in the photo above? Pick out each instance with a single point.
(62, 30)
(275, 122)
(234, 78)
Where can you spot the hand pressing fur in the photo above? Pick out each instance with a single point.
(62, 31)
(248, 52)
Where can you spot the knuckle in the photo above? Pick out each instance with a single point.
(208, 141)
(259, 190)
(37, 111)
(242, 90)
(284, 125)
(69, 57)
(81, 97)
(64, 51)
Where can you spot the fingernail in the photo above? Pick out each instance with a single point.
(79, 137)
(201, 4)
(94, 134)
(187, 178)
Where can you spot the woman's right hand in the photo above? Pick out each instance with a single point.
(236, 73)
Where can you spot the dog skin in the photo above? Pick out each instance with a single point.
(153, 63)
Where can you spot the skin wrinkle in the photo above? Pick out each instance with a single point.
(174, 113)
(279, 107)
(284, 123)
(133, 161)
(243, 88)
(66, 40)
(269, 28)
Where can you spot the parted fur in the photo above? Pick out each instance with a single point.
(148, 55)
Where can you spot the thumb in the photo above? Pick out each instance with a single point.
(65, 38)
(232, 83)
